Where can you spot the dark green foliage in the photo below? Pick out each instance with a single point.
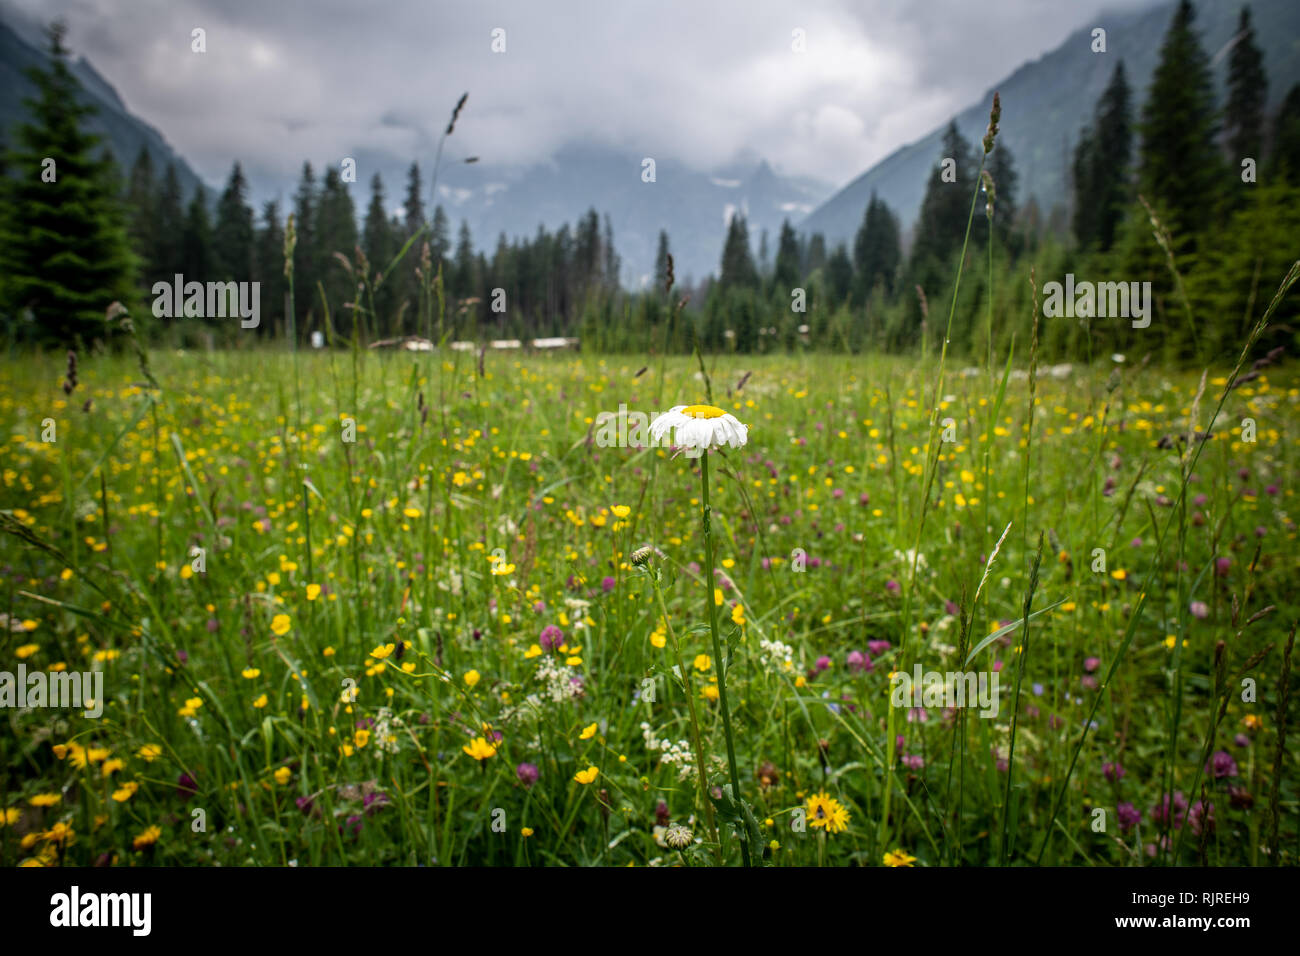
(1181, 172)
(1243, 120)
(877, 251)
(1102, 174)
(232, 237)
(738, 267)
(64, 249)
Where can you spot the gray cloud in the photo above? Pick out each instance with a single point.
(292, 80)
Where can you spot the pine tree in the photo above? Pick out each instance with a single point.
(738, 269)
(1101, 167)
(1180, 169)
(1243, 124)
(64, 250)
(877, 251)
(232, 237)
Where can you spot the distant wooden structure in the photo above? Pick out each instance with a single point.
(415, 343)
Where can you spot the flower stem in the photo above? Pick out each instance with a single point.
(695, 720)
(717, 647)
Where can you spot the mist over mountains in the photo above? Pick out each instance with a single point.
(1045, 103)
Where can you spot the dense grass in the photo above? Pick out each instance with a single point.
(329, 562)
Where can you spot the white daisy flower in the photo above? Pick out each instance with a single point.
(700, 427)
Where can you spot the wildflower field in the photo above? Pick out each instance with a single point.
(441, 609)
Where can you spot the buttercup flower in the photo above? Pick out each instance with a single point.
(702, 427)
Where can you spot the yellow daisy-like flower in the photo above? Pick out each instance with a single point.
(827, 813)
(361, 738)
(112, 766)
(249, 673)
(702, 662)
(280, 625)
(313, 592)
(126, 791)
(260, 701)
(9, 816)
(587, 732)
(587, 776)
(282, 775)
(898, 858)
(27, 650)
(382, 651)
(702, 427)
(148, 838)
(738, 615)
(620, 511)
(60, 833)
(149, 752)
(480, 749)
(472, 678)
(45, 799)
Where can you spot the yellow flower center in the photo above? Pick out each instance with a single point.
(703, 411)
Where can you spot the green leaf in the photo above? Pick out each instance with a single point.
(1008, 629)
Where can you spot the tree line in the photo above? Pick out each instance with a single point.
(1203, 202)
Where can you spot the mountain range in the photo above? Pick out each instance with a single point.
(124, 134)
(1045, 103)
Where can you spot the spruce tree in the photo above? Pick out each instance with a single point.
(466, 284)
(661, 261)
(142, 213)
(738, 269)
(232, 237)
(440, 240)
(1180, 170)
(839, 275)
(378, 243)
(268, 267)
(1101, 167)
(336, 234)
(197, 261)
(1243, 121)
(786, 274)
(1286, 138)
(64, 251)
(946, 205)
(877, 251)
(305, 254)
(414, 204)
(166, 260)
(1001, 167)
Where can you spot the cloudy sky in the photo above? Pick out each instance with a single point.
(284, 80)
